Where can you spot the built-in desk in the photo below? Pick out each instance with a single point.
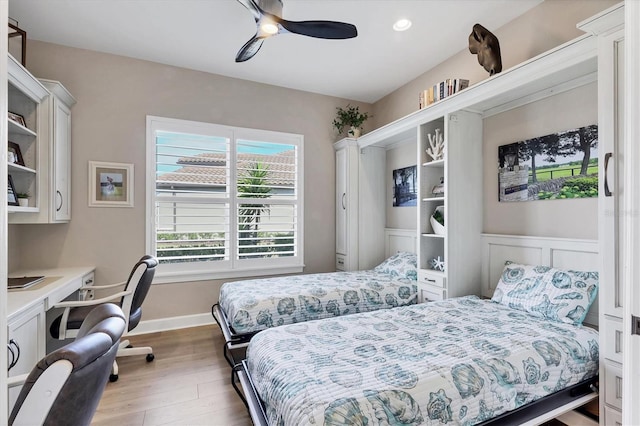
(58, 284)
(26, 313)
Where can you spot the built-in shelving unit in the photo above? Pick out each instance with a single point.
(25, 94)
(459, 117)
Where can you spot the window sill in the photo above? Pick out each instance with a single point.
(182, 276)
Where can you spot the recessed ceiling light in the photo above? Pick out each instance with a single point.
(402, 25)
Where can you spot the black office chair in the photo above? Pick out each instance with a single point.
(65, 387)
(130, 300)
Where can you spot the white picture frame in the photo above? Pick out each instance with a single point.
(110, 184)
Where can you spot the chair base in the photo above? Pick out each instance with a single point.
(126, 349)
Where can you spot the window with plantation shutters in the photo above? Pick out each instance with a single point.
(225, 201)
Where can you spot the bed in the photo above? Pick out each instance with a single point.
(249, 306)
(456, 361)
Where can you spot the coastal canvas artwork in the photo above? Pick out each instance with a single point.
(557, 166)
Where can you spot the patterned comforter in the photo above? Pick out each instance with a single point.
(457, 361)
(254, 305)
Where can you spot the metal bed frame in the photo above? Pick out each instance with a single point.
(232, 340)
(534, 413)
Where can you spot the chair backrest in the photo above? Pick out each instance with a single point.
(139, 283)
(65, 387)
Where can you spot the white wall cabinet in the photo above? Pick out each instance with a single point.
(45, 145)
(27, 330)
(608, 28)
(57, 110)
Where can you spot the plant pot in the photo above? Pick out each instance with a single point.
(23, 202)
(437, 228)
(354, 132)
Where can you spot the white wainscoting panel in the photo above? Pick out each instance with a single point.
(563, 253)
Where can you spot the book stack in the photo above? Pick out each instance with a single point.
(441, 90)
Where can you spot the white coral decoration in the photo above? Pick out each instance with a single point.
(436, 142)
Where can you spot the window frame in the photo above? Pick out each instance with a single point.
(232, 268)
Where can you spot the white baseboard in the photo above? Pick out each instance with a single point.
(173, 323)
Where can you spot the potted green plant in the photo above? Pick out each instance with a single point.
(23, 199)
(350, 118)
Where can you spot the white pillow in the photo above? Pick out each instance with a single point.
(555, 294)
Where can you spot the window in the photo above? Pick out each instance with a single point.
(225, 202)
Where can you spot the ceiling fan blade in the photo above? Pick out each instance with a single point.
(253, 8)
(249, 49)
(321, 29)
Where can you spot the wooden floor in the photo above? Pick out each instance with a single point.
(188, 383)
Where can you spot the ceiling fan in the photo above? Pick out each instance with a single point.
(267, 14)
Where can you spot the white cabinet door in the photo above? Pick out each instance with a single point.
(341, 201)
(61, 167)
(27, 331)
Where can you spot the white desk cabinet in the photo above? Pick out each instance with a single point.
(27, 330)
(26, 313)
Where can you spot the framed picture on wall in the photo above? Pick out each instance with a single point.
(12, 198)
(110, 184)
(557, 166)
(405, 187)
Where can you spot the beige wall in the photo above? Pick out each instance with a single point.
(544, 218)
(114, 96)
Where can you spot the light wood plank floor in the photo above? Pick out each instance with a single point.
(188, 383)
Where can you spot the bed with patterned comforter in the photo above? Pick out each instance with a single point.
(254, 305)
(457, 361)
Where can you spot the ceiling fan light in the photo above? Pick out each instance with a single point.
(269, 28)
(402, 25)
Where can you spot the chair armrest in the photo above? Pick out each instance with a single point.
(79, 303)
(100, 287)
(18, 380)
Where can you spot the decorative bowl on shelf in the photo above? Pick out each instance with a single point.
(438, 228)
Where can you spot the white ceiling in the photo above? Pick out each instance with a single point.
(205, 35)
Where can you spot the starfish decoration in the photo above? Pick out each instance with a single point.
(437, 263)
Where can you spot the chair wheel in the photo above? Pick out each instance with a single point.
(113, 378)
(150, 357)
